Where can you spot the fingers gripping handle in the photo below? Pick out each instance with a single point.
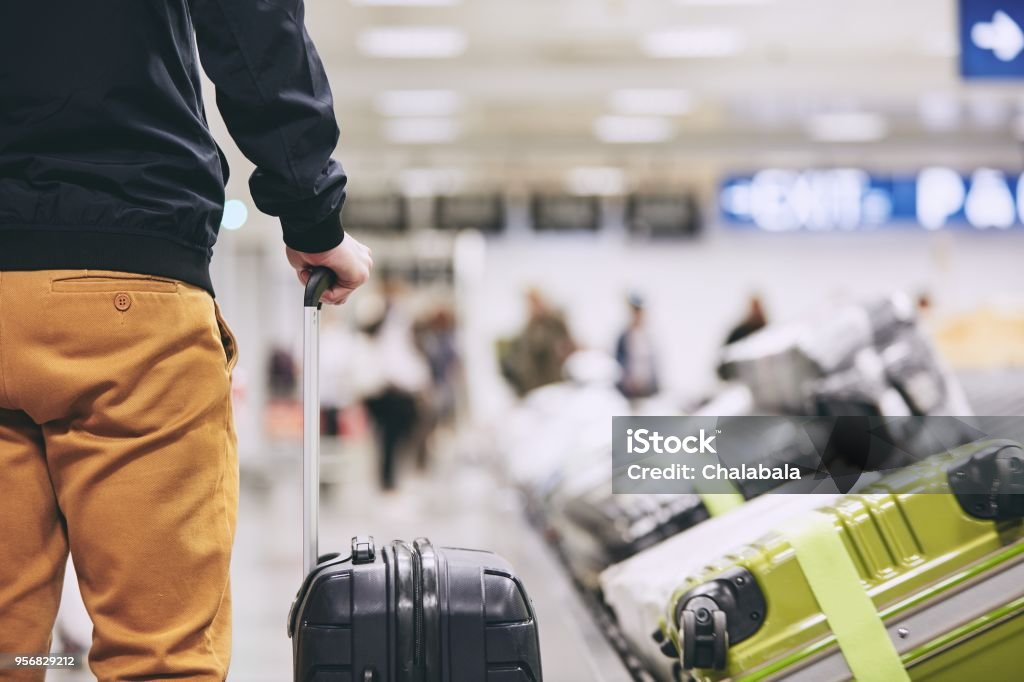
(320, 280)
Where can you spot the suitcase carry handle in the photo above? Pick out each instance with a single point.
(320, 280)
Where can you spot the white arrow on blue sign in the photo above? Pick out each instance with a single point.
(1002, 35)
(992, 38)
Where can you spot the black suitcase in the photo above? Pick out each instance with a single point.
(625, 525)
(595, 529)
(414, 613)
(403, 612)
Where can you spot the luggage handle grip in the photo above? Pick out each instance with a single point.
(320, 280)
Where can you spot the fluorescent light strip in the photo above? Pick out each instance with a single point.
(418, 102)
(421, 130)
(723, 3)
(405, 3)
(939, 112)
(633, 129)
(412, 42)
(428, 182)
(650, 102)
(847, 127)
(596, 180)
(693, 43)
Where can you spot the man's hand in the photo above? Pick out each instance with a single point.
(350, 261)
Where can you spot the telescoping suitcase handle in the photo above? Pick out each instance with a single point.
(320, 280)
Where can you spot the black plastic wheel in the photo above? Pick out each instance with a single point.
(688, 637)
(721, 639)
(704, 635)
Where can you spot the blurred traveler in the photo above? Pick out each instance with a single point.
(435, 339)
(282, 374)
(924, 303)
(116, 437)
(336, 343)
(536, 355)
(390, 374)
(634, 352)
(754, 320)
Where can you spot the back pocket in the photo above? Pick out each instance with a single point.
(114, 284)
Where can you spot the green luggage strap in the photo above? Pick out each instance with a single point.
(718, 503)
(851, 614)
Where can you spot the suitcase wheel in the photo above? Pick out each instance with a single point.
(704, 634)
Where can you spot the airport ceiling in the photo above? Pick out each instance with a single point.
(657, 83)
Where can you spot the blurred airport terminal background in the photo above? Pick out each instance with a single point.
(603, 193)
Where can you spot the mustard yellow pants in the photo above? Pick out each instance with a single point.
(117, 443)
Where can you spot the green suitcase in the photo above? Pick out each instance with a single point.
(919, 577)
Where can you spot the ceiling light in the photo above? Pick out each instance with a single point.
(722, 3)
(847, 127)
(633, 129)
(418, 102)
(939, 111)
(405, 3)
(236, 213)
(421, 130)
(989, 112)
(680, 43)
(428, 182)
(412, 42)
(596, 181)
(651, 102)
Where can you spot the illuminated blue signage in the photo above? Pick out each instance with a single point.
(848, 199)
(992, 38)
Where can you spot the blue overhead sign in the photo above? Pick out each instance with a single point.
(992, 38)
(853, 200)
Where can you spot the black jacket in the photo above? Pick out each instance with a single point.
(106, 160)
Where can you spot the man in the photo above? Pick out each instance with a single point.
(390, 375)
(634, 352)
(536, 356)
(116, 437)
(753, 321)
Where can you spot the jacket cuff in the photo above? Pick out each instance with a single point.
(314, 237)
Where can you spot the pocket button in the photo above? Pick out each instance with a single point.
(122, 302)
